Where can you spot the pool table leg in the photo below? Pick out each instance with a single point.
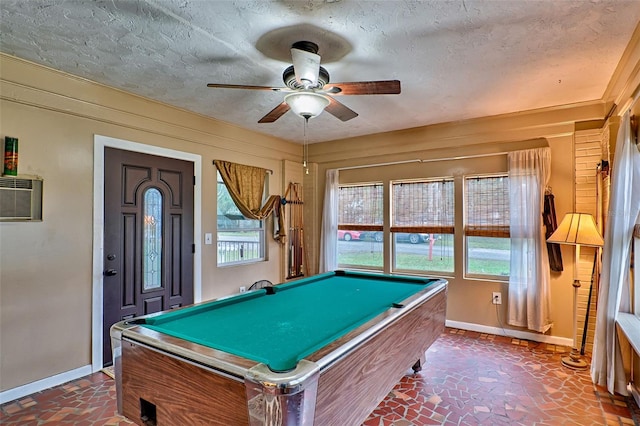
(419, 363)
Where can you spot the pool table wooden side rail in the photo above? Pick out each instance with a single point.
(183, 392)
(349, 391)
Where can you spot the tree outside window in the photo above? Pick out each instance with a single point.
(240, 240)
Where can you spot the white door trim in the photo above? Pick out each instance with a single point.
(99, 144)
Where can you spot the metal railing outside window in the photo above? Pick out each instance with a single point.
(240, 240)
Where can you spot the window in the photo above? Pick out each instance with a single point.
(240, 240)
(422, 225)
(487, 226)
(635, 262)
(360, 214)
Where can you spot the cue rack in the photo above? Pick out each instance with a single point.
(297, 255)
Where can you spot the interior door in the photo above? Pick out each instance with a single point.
(148, 236)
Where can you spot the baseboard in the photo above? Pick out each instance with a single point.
(46, 383)
(536, 337)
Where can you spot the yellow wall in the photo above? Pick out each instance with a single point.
(469, 301)
(46, 267)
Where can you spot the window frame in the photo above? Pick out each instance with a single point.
(262, 257)
(636, 270)
(502, 231)
(373, 228)
(422, 229)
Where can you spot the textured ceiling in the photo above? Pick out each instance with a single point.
(456, 59)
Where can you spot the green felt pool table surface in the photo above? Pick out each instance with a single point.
(299, 318)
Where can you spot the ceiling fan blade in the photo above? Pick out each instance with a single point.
(244, 86)
(306, 65)
(340, 110)
(382, 87)
(275, 113)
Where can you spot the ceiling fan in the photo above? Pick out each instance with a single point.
(308, 88)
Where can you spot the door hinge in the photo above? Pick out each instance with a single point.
(194, 180)
(193, 248)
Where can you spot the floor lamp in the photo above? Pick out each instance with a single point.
(576, 229)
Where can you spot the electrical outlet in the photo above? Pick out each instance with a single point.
(243, 289)
(496, 298)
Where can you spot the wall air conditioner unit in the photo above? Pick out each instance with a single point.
(20, 199)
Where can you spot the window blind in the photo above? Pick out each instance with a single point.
(360, 207)
(487, 206)
(423, 206)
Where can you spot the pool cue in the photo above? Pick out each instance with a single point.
(294, 202)
(294, 234)
(299, 247)
(298, 256)
(586, 316)
(289, 229)
(298, 220)
(294, 245)
(303, 253)
(294, 240)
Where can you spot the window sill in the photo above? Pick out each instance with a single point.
(629, 325)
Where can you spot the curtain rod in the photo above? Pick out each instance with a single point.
(266, 170)
(423, 161)
(379, 164)
(464, 157)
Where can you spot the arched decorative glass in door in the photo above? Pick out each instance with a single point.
(152, 240)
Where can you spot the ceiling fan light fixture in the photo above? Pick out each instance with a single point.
(307, 104)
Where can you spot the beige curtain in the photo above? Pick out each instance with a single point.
(246, 187)
(529, 278)
(607, 365)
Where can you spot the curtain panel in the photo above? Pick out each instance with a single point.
(329, 231)
(529, 279)
(246, 185)
(607, 368)
(551, 224)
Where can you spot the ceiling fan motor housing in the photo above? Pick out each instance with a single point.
(307, 46)
(289, 78)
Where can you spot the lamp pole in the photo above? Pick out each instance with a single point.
(575, 360)
(576, 229)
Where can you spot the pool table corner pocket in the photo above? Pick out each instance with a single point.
(289, 396)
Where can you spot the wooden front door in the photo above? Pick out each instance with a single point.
(148, 236)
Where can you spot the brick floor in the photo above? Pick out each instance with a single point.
(469, 379)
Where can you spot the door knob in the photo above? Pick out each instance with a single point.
(110, 272)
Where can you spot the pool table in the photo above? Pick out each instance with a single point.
(323, 350)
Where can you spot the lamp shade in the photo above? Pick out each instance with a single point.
(307, 104)
(577, 229)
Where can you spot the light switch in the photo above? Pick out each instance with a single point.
(208, 238)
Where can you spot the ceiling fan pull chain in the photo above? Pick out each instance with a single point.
(305, 149)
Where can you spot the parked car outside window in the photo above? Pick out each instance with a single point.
(411, 238)
(348, 235)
